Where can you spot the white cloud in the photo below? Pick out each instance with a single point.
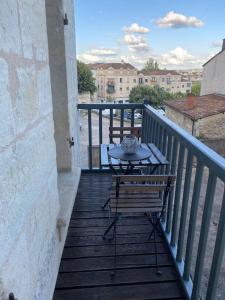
(175, 20)
(103, 52)
(99, 55)
(180, 57)
(135, 28)
(136, 43)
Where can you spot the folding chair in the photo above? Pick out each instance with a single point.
(121, 132)
(145, 194)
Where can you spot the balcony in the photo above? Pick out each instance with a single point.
(191, 248)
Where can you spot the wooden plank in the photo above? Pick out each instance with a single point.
(107, 263)
(108, 250)
(104, 155)
(152, 159)
(158, 154)
(102, 278)
(98, 240)
(162, 290)
(100, 230)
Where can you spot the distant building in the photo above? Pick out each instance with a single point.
(204, 116)
(114, 81)
(213, 81)
(170, 80)
(192, 75)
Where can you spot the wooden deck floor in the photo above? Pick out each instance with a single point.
(87, 259)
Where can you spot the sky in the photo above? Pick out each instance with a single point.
(179, 34)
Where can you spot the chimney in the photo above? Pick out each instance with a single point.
(223, 46)
(190, 102)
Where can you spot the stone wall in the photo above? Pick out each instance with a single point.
(180, 119)
(31, 193)
(213, 80)
(212, 127)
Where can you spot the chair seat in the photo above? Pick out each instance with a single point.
(135, 205)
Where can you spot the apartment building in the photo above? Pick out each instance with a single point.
(170, 80)
(114, 80)
(193, 75)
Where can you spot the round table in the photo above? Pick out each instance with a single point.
(118, 153)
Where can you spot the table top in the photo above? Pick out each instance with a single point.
(118, 153)
(156, 157)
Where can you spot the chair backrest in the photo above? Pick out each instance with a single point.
(143, 183)
(121, 132)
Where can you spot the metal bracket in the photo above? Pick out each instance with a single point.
(71, 141)
(60, 223)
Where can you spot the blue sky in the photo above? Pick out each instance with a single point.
(177, 33)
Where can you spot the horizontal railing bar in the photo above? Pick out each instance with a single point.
(110, 105)
(209, 157)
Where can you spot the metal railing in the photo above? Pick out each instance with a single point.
(191, 161)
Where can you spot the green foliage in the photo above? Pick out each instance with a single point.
(195, 89)
(154, 95)
(150, 65)
(85, 78)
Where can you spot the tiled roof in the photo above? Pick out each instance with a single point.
(159, 72)
(199, 107)
(112, 65)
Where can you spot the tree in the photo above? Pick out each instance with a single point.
(195, 89)
(86, 82)
(150, 65)
(156, 96)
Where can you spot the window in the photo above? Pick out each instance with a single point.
(163, 79)
(140, 80)
(146, 80)
(178, 86)
(121, 80)
(134, 80)
(128, 88)
(182, 85)
(153, 79)
(121, 89)
(188, 84)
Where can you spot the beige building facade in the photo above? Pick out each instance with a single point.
(170, 80)
(114, 81)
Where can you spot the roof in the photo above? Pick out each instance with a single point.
(213, 57)
(159, 72)
(199, 107)
(112, 65)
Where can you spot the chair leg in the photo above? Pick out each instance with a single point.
(110, 226)
(158, 272)
(104, 205)
(113, 273)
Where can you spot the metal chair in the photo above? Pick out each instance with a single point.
(145, 194)
(121, 132)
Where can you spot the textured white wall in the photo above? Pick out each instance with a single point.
(213, 81)
(29, 199)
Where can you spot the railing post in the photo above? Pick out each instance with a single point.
(170, 200)
(90, 139)
(203, 235)
(184, 208)
(217, 255)
(111, 123)
(100, 136)
(177, 195)
(121, 120)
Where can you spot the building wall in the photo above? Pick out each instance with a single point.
(212, 127)
(170, 83)
(213, 76)
(122, 89)
(180, 119)
(30, 202)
